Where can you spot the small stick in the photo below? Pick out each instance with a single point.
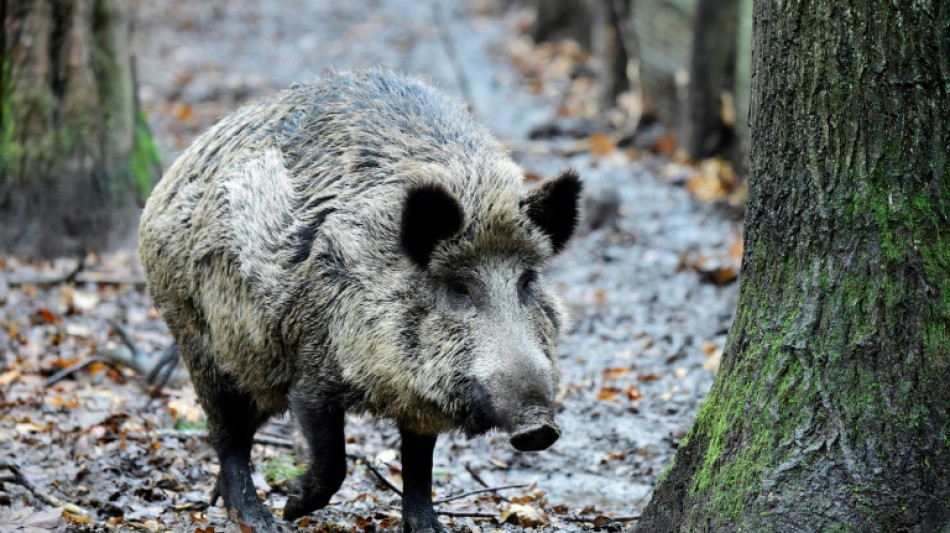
(479, 491)
(44, 497)
(584, 519)
(475, 476)
(79, 365)
(461, 514)
(137, 353)
(70, 277)
(377, 473)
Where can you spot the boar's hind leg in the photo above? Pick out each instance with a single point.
(232, 421)
(418, 516)
(322, 427)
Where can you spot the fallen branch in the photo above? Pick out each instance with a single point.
(44, 497)
(56, 279)
(376, 473)
(462, 514)
(137, 353)
(600, 518)
(79, 365)
(480, 491)
(478, 479)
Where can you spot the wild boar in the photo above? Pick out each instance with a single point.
(358, 243)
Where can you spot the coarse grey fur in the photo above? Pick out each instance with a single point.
(274, 250)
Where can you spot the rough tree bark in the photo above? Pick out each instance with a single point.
(75, 153)
(830, 412)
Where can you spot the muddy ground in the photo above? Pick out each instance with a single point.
(651, 289)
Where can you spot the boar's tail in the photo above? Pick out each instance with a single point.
(164, 367)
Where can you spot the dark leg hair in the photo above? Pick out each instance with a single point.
(233, 419)
(322, 427)
(418, 516)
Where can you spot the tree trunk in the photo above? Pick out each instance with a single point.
(75, 153)
(706, 128)
(664, 34)
(830, 412)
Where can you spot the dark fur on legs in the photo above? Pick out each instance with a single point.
(232, 421)
(418, 516)
(322, 427)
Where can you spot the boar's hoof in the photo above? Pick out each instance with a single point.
(535, 437)
(426, 522)
(243, 506)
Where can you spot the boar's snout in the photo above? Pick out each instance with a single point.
(537, 431)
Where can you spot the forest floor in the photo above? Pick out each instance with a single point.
(651, 287)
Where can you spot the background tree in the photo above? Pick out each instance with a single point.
(832, 408)
(75, 153)
(708, 125)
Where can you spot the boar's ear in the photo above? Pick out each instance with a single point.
(431, 214)
(554, 207)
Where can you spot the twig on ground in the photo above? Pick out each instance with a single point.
(593, 519)
(462, 514)
(162, 372)
(79, 365)
(70, 277)
(478, 479)
(137, 353)
(44, 497)
(479, 491)
(377, 473)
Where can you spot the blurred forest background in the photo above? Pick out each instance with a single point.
(648, 99)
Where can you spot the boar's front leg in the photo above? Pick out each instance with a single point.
(232, 421)
(322, 427)
(418, 516)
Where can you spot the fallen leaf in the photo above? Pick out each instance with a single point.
(633, 394)
(648, 377)
(523, 515)
(666, 145)
(48, 317)
(712, 362)
(31, 520)
(601, 144)
(608, 394)
(612, 373)
(9, 377)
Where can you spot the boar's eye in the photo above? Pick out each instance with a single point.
(461, 293)
(524, 283)
(526, 280)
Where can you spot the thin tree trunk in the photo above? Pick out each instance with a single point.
(832, 408)
(705, 130)
(75, 154)
(664, 30)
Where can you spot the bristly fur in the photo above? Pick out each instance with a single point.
(280, 252)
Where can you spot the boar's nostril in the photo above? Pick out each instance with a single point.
(535, 438)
